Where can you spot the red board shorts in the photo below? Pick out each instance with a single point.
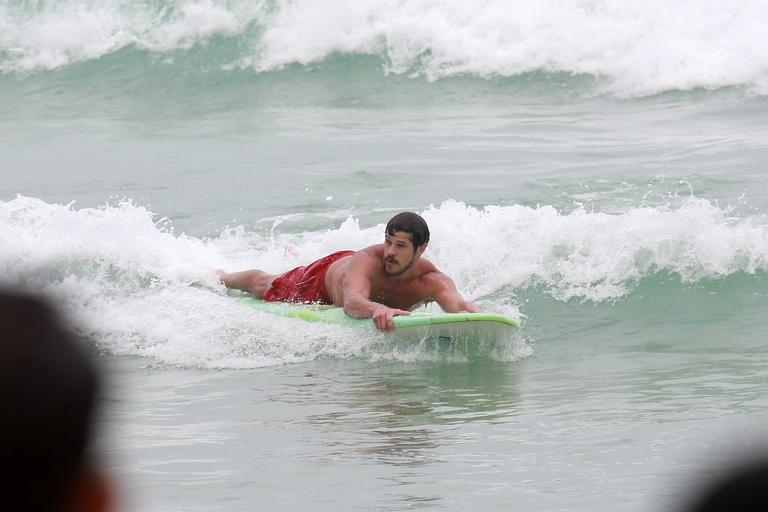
(304, 284)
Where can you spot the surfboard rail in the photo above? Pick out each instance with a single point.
(335, 315)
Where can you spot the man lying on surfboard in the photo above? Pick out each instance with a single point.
(379, 282)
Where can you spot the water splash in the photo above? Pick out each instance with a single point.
(632, 48)
(139, 288)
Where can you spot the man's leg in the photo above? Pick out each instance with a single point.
(254, 281)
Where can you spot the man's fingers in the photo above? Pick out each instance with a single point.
(388, 325)
(384, 321)
(392, 315)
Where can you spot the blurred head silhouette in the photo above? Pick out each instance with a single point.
(48, 392)
(743, 486)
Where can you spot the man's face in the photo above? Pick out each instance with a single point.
(398, 253)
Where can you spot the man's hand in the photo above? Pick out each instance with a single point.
(383, 315)
(470, 307)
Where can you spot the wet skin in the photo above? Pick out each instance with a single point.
(387, 280)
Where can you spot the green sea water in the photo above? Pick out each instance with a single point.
(617, 211)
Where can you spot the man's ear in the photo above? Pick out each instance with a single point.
(421, 249)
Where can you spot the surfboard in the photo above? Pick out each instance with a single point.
(439, 329)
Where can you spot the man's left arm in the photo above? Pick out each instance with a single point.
(449, 298)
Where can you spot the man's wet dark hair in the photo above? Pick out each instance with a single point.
(411, 223)
(48, 392)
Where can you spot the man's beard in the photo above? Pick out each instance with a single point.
(401, 272)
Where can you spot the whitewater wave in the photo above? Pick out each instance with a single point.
(139, 288)
(631, 48)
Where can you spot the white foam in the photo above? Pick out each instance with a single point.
(195, 22)
(641, 46)
(53, 35)
(139, 288)
(636, 47)
(593, 255)
(59, 35)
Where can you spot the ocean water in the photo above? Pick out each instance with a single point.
(594, 169)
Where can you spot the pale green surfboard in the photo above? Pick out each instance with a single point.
(438, 327)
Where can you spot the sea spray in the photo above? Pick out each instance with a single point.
(633, 48)
(141, 289)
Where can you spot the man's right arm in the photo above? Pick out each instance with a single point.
(357, 292)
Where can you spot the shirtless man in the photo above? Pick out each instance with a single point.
(379, 282)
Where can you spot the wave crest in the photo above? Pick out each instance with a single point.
(634, 48)
(141, 289)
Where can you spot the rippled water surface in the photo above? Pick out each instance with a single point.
(594, 170)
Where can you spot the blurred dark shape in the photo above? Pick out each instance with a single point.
(48, 393)
(744, 487)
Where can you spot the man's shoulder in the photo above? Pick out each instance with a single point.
(371, 250)
(371, 253)
(427, 267)
(367, 257)
(430, 274)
